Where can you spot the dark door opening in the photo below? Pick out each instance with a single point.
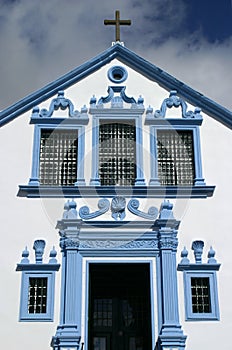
(119, 307)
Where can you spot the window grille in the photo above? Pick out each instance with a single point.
(102, 313)
(175, 157)
(37, 295)
(117, 154)
(200, 295)
(58, 157)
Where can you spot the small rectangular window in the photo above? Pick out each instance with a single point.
(117, 154)
(200, 289)
(58, 157)
(37, 295)
(175, 157)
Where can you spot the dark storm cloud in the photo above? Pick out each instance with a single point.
(42, 40)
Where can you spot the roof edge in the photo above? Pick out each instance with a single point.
(126, 56)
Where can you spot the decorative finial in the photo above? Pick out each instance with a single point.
(211, 255)
(66, 209)
(93, 101)
(39, 246)
(117, 22)
(166, 210)
(25, 255)
(197, 247)
(53, 254)
(70, 211)
(184, 256)
(140, 100)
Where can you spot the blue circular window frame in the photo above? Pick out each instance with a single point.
(117, 74)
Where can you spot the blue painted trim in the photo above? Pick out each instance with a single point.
(24, 316)
(170, 332)
(172, 122)
(189, 314)
(135, 62)
(37, 267)
(117, 70)
(111, 90)
(103, 206)
(95, 181)
(166, 124)
(117, 261)
(60, 102)
(175, 101)
(139, 153)
(34, 180)
(68, 331)
(199, 267)
(37, 270)
(133, 206)
(119, 115)
(96, 191)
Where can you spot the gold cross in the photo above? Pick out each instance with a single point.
(117, 22)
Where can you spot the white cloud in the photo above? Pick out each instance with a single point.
(41, 41)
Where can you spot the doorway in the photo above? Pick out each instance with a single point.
(119, 307)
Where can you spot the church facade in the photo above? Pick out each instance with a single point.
(121, 167)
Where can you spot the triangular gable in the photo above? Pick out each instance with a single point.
(135, 62)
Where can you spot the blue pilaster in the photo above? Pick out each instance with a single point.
(170, 333)
(68, 332)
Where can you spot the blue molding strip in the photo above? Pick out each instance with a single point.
(135, 62)
(30, 191)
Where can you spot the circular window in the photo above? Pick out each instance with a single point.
(117, 74)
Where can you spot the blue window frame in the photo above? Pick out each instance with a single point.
(201, 296)
(37, 297)
(175, 155)
(58, 155)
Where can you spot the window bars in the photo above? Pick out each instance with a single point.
(200, 295)
(37, 296)
(58, 157)
(117, 154)
(175, 157)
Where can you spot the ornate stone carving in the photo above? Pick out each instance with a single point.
(39, 246)
(109, 244)
(103, 206)
(72, 243)
(62, 240)
(133, 208)
(60, 102)
(117, 101)
(174, 101)
(197, 247)
(118, 206)
(168, 243)
(68, 242)
(144, 243)
(99, 244)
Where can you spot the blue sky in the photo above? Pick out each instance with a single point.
(42, 40)
(212, 17)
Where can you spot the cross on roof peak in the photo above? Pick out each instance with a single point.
(117, 22)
